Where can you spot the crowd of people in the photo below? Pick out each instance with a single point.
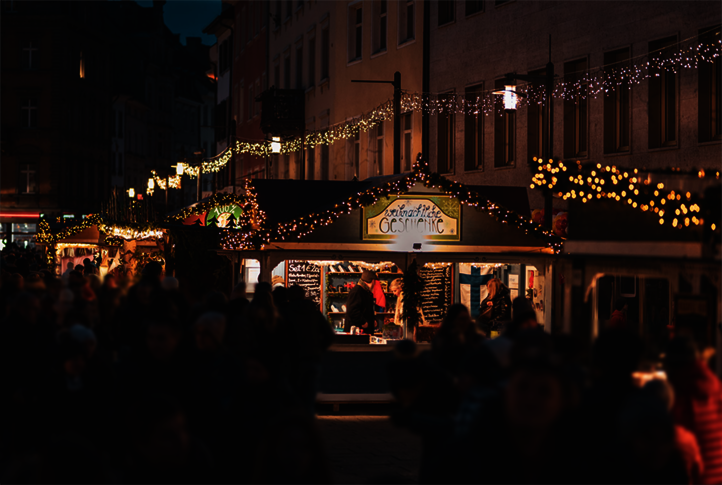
(116, 380)
(120, 381)
(526, 408)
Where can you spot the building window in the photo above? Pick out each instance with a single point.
(29, 113)
(376, 146)
(325, 162)
(504, 134)
(474, 132)
(473, 6)
(299, 66)
(250, 101)
(576, 120)
(445, 126)
(310, 163)
(662, 108)
(81, 66)
(406, 142)
(616, 105)
(710, 101)
(256, 105)
(312, 61)
(354, 154)
(30, 55)
(446, 11)
(287, 71)
(380, 25)
(407, 21)
(120, 124)
(535, 125)
(325, 55)
(355, 32)
(27, 179)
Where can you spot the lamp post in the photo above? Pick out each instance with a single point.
(397, 116)
(199, 157)
(510, 101)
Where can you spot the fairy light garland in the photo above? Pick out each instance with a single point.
(361, 264)
(626, 186)
(590, 84)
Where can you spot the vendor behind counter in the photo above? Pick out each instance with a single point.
(360, 305)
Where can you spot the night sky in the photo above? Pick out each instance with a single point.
(189, 17)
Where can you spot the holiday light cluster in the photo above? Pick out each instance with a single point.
(304, 225)
(361, 264)
(627, 186)
(250, 232)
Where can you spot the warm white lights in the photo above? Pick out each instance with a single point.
(276, 144)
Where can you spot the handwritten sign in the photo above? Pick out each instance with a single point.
(307, 276)
(437, 295)
(432, 218)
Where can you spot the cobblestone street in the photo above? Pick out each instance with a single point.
(369, 449)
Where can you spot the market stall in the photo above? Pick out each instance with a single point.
(109, 245)
(323, 234)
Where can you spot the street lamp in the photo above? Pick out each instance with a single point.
(276, 145)
(510, 97)
(131, 192)
(151, 186)
(179, 168)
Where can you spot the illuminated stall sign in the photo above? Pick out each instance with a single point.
(224, 215)
(433, 218)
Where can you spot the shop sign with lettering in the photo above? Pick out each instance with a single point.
(432, 217)
(224, 215)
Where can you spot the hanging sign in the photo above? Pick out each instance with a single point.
(224, 215)
(432, 217)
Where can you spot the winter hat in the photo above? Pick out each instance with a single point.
(368, 276)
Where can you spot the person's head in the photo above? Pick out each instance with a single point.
(152, 271)
(110, 282)
(94, 282)
(239, 291)
(397, 286)
(70, 266)
(169, 283)
(86, 262)
(296, 294)
(209, 330)
(368, 277)
(494, 286)
(162, 340)
(645, 434)
(262, 287)
(533, 396)
(79, 268)
(18, 282)
(159, 432)
(682, 352)
(523, 314)
(662, 390)
(84, 337)
(457, 323)
(280, 296)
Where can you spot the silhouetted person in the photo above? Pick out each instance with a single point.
(360, 305)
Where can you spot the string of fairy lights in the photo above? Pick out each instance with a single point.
(687, 54)
(680, 209)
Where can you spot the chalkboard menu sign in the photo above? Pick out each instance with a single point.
(307, 276)
(437, 293)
